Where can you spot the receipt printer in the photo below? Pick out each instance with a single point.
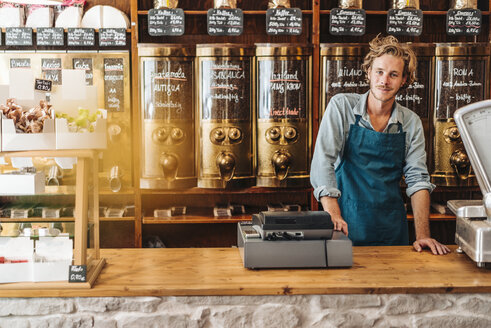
(293, 240)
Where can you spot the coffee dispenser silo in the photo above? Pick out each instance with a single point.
(461, 78)
(167, 109)
(341, 71)
(418, 96)
(225, 111)
(283, 115)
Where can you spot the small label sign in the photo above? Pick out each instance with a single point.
(225, 22)
(405, 22)
(18, 36)
(42, 85)
(20, 63)
(112, 37)
(81, 37)
(284, 21)
(77, 273)
(464, 22)
(166, 22)
(50, 36)
(347, 21)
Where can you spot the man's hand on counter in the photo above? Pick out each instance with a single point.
(340, 224)
(435, 247)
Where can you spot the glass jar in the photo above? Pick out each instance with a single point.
(225, 113)
(283, 107)
(167, 106)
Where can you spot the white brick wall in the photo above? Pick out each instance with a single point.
(318, 311)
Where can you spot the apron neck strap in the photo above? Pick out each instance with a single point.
(358, 118)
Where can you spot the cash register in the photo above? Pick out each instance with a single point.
(293, 240)
(473, 222)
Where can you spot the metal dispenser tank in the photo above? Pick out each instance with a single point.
(461, 78)
(225, 111)
(283, 115)
(341, 71)
(167, 108)
(418, 96)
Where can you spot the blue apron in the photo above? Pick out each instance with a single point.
(368, 177)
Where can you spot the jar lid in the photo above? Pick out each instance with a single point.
(165, 50)
(463, 49)
(423, 49)
(224, 49)
(283, 49)
(344, 49)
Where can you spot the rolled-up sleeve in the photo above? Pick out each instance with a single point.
(329, 144)
(415, 170)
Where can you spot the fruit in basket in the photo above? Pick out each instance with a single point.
(84, 122)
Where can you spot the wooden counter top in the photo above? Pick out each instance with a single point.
(219, 271)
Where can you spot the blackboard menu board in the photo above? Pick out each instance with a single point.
(51, 69)
(284, 21)
(50, 36)
(405, 22)
(42, 85)
(77, 273)
(166, 22)
(112, 37)
(282, 88)
(18, 36)
(225, 22)
(20, 63)
(464, 22)
(114, 84)
(86, 65)
(81, 37)
(347, 21)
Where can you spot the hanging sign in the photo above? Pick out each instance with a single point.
(225, 22)
(166, 22)
(405, 22)
(284, 21)
(464, 22)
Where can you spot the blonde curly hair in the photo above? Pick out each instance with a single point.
(389, 45)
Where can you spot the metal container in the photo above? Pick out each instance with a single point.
(352, 4)
(341, 70)
(167, 109)
(225, 111)
(418, 96)
(463, 4)
(405, 4)
(461, 78)
(283, 115)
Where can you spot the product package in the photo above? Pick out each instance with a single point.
(165, 4)
(463, 4)
(39, 16)
(11, 14)
(71, 14)
(279, 4)
(228, 4)
(352, 4)
(405, 4)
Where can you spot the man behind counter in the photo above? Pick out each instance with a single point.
(364, 146)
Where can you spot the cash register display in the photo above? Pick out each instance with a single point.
(474, 123)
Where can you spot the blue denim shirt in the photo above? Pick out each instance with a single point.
(333, 133)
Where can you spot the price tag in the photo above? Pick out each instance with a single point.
(464, 22)
(18, 36)
(112, 37)
(225, 22)
(81, 37)
(77, 273)
(20, 63)
(347, 21)
(284, 21)
(405, 22)
(42, 85)
(166, 22)
(50, 36)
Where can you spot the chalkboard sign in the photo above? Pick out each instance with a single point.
(166, 22)
(42, 85)
(114, 84)
(20, 63)
(112, 37)
(77, 273)
(50, 36)
(51, 69)
(347, 21)
(81, 37)
(464, 22)
(86, 65)
(405, 22)
(18, 36)
(225, 22)
(284, 21)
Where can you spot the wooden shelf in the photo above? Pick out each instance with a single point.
(384, 12)
(121, 219)
(435, 217)
(202, 191)
(197, 219)
(245, 12)
(65, 30)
